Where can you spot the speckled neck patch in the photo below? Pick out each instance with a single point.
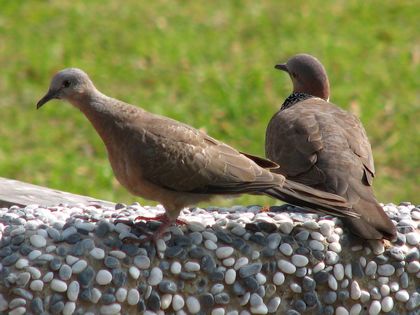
(294, 98)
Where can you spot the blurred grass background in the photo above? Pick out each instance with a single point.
(210, 64)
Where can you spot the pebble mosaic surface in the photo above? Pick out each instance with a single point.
(72, 260)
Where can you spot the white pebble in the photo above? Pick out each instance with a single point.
(134, 272)
(38, 241)
(166, 301)
(218, 311)
(142, 262)
(97, 253)
(34, 254)
(335, 247)
(112, 309)
(413, 266)
(260, 309)
(18, 311)
(295, 287)
(230, 276)
(79, 266)
(286, 249)
(73, 291)
(364, 296)
(121, 294)
(332, 283)
(35, 273)
(348, 271)
(69, 308)
(36, 285)
(385, 290)
(355, 290)
(210, 245)
(242, 261)
(103, 277)
(286, 266)
(356, 309)
(273, 304)
(155, 277)
(375, 308)
(278, 278)
(176, 268)
(177, 302)
(133, 297)
(117, 254)
(341, 311)
(22, 263)
(193, 305)
(299, 260)
(286, 227)
(318, 267)
(316, 245)
(192, 266)
(160, 245)
(229, 262)
(224, 252)
(58, 285)
(339, 272)
(387, 304)
(96, 295)
(70, 260)
(402, 296)
(413, 238)
(261, 279)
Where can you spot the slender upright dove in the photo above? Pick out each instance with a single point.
(322, 146)
(170, 162)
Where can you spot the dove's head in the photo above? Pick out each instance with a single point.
(308, 75)
(70, 84)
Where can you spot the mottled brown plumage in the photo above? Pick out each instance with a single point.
(322, 146)
(164, 160)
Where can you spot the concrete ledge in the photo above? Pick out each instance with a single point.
(71, 260)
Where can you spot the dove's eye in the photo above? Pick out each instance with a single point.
(66, 83)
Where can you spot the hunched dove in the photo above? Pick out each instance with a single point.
(322, 146)
(170, 162)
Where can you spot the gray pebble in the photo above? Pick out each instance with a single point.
(208, 264)
(414, 302)
(153, 302)
(330, 297)
(222, 298)
(23, 279)
(57, 308)
(107, 298)
(111, 262)
(37, 306)
(174, 252)
(206, 301)
(23, 293)
(119, 277)
(65, 272)
(308, 284)
(250, 270)
(321, 277)
(251, 283)
(10, 260)
(300, 305)
(167, 286)
(86, 277)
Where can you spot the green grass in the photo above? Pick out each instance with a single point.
(210, 64)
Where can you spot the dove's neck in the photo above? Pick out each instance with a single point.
(107, 115)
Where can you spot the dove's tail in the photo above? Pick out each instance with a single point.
(312, 199)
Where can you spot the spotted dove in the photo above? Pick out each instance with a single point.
(165, 160)
(320, 145)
